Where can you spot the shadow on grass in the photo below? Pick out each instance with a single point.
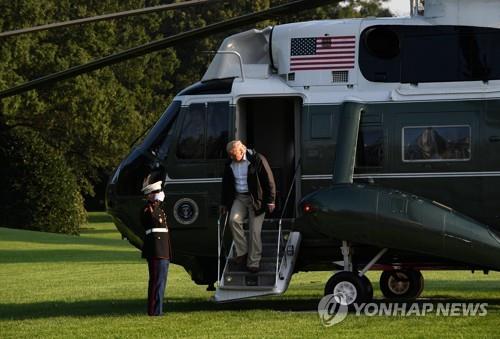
(138, 307)
(67, 255)
(100, 217)
(178, 305)
(14, 235)
(71, 309)
(90, 230)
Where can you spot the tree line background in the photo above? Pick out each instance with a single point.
(58, 145)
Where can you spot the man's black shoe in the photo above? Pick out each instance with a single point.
(253, 269)
(242, 259)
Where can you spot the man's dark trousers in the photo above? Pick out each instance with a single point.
(158, 270)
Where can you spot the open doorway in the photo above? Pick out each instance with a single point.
(268, 126)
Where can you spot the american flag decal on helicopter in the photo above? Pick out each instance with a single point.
(326, 52)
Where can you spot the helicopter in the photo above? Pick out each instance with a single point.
(381, 133)
(406, 133)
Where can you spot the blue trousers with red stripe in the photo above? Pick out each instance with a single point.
(158, 271)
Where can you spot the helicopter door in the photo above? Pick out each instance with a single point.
(195, 163)
(268, 126)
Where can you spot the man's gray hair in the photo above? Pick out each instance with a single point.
(235, 144)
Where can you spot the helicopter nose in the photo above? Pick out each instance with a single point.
(111, 195)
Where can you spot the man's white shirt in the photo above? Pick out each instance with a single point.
(240, 171)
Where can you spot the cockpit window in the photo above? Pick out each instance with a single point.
(204, 132)
(191, 143)
(436, 143)
(217, 129)
(158, 134)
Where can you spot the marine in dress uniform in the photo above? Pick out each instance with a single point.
(156, 248)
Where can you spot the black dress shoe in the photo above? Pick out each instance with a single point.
(242, 259)
(253, 269)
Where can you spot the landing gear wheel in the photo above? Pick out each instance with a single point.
(407, 284)
(368, 287)
(354, 288)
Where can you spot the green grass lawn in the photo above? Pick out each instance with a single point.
(95, 285)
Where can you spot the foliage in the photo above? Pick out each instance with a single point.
(39, 190)
(89, 120)
(92, 118)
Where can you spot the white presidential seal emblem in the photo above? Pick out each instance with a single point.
(186, 211)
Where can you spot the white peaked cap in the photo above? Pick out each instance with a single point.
(152, 187)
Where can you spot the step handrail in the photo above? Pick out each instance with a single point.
(281, 220)
(219, 243)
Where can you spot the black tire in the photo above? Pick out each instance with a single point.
(354, 288)
(404, 284)
(419, 278)
(368, 287)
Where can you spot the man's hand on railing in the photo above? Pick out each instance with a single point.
(222, 210)
(271, 207)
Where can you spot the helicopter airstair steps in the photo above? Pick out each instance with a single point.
(279, 253)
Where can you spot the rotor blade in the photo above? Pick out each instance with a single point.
(107, 16)
(173, 40)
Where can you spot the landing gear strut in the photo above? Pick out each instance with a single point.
(354, 286)
(407, 284)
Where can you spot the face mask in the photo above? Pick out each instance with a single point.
(160, 196)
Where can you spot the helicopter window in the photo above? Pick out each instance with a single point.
(419, 54)
(167, 140)
(132, 174)
(370, 147)
(382, 42)
(191, 144)
(321, 125)
(217, 129)
(437, 143)
(205, 131)
(162, 128)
